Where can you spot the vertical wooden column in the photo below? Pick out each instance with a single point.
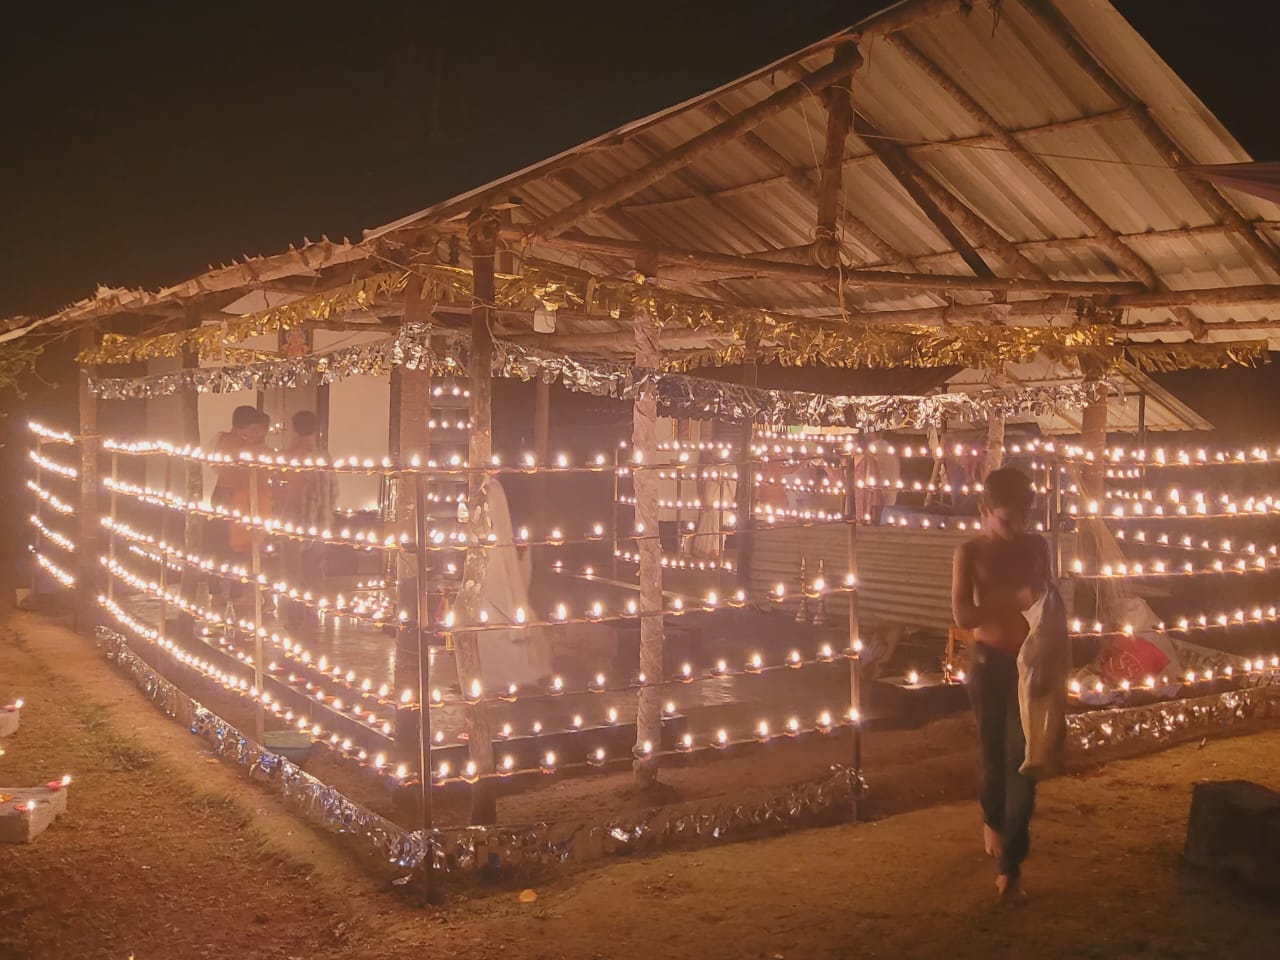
(854, 652)
(995, 442)
(746, 487)
(88, 510)
(483, 234)
(192, 474)
(409, 436)
(644, 416)
(541, 441)
(255, 568)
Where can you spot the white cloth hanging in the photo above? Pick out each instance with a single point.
(521, 656)
(1044, 669)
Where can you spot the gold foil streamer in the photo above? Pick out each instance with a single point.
(209, 340)
(1171, 357)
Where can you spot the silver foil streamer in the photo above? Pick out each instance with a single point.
(701, 398)
(1161, 721)
(420, 346)
(500, 847)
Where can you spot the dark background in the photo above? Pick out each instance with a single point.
(143, 142)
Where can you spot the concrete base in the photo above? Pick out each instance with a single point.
(1235, 826)
(9, 722)
(22, 825)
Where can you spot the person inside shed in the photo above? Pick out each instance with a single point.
(997, 577)
(247, 437)
(307, 499)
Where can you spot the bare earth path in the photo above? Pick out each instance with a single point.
(166, 854)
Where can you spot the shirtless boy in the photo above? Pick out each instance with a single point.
(995, 577)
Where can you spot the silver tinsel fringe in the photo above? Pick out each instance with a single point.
(422, 347)
(1161, 721)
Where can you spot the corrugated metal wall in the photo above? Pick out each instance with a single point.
(904, 575)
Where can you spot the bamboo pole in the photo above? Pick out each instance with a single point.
(644, 413)
(255, 569)
(193, 526)
(409, 435)
(855, 641)
(831, 185)
(88, 508)
(691, 150)
(483, 234)
(423, 633)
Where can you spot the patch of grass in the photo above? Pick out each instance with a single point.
(126, 756)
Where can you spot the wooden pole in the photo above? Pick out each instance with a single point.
(645, 484)
(831, 186)
(673, 259)
(193, 526)
(659, 168)
(424, 687)
(255, 568)
(855, 641)
(483, 234)
(745, 490)
(410, 435)
(88, 511)
(541, 441)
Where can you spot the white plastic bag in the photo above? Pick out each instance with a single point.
(1044, 669)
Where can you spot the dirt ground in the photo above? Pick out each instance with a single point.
(167, 853)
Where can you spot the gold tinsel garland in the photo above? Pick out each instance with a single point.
(775, 337)
(210, 340)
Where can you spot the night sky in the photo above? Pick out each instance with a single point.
(144, 141)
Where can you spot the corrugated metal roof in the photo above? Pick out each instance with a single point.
(1018, 71)
(755, 194)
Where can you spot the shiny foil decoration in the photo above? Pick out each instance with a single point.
(209, 340)
(703, 399)
(1161, 721)
(826, 799)
(423, 347)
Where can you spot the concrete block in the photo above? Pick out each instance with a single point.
(26, 812)
(1235, 826)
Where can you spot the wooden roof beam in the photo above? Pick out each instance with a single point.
(839, 103)
(689, 151)
(730, 265)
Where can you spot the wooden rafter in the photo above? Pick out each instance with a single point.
(838, 98)
(691, 150)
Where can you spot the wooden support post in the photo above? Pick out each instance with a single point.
(689, 151)
(854, 651)
(113, 504)
(88, 510)
(255, 569)
(409, 435)
(192, 475)
(541, 441)
(645, 483)
(423, 632)
(483, 235)
(746, 490)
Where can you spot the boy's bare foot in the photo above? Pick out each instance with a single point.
(991, 841)
(1008, 888)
